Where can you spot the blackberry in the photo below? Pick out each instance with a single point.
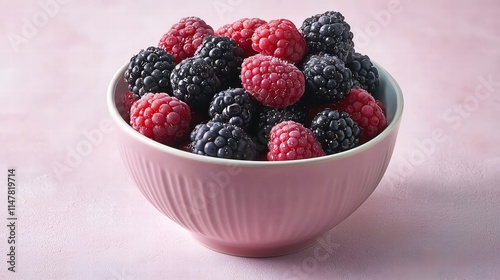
(364, 72)
(233, 106)
(225, 57)
(269, 117)
(194, 82)
(327, 78)
(222, 140)
(149, 71)
(328, 33)
(336, 132)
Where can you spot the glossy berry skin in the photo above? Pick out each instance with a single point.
(149, 71)
(336, 131)
(280, 38)
(225, 58)
(364, 72)
(194, 82)
(327, 78)
(328, 33)
(365, 111)
(290, 140)
(241, 31)
(184, 37)
(161, 117)
(222, 140)
(233, 106)
(272, 81)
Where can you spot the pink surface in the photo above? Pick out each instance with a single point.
(434, 216)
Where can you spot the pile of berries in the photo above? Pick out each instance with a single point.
(255, 89)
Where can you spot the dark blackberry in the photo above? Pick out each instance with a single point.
(364, 72)
(225, 57)
(327, 78)
(194, 82)
(149, 71)
(222, 140)
(328, 33)
(233, 106)
(336, 132)
(269, 117)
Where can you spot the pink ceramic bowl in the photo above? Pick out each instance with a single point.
(256, 208)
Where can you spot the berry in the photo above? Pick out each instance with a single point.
(128, 100)
(224, 56)
(290, 140)
(328, 33)
(222, 140)
(184, 37)
(327, 78)
(279, 38)
(241, 31)
(149, 71)
(161, 117)
(363, 109)
(364, 72)
(272, 81)
(233, 106)
(269, 117)
(194, 82)
(335, 131)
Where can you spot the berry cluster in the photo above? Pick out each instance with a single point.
(255, 89)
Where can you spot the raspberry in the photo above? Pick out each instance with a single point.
(290, 140)
(128, 100)
(337, 132)
(161, 117)
(184, 37)
(364, 111)
(269, 117)
(327, 78)
(222, 140)
(329, 33)
(272, 81)
(224, 56)
(149, 71)
(194, 82)
(279, 38)
(241, 31)
(233, 106)
(364, 72)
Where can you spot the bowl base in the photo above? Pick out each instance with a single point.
(252, 250)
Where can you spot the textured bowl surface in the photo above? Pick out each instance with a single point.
(256, 208)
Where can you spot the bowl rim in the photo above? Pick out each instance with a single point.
(126, 128)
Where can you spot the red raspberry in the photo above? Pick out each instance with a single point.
(241, 31)
(128, 100)
(364, 110)
(184, 37)
(272, 81)
(280, 38)
(161, 117)
(290, 140)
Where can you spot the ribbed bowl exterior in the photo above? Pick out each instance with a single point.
(254, 210)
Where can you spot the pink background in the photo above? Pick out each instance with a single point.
(434, 215)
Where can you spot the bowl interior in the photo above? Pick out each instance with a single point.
(388, 93)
